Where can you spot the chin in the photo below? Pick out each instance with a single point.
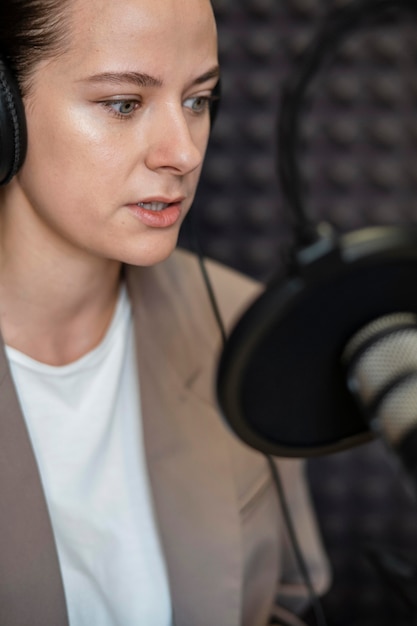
(151, 254)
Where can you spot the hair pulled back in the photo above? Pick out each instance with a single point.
(31, 31)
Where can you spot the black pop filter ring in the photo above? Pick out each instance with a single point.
(280, 384)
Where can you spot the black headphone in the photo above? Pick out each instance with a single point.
(13, 134)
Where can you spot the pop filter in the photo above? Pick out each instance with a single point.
(281, 385)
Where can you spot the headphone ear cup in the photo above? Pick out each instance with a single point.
(13, 134)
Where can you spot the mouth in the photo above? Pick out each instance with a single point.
(158, 205)
(154, 206)
(159, 212)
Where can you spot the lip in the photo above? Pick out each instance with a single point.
(158, 219)
(163, 199)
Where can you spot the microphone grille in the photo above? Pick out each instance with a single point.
(381, 360)
(379, 326)
(397, 414)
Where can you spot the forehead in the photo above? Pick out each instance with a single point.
(142, 31)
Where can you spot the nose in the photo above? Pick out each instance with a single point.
(175, 143)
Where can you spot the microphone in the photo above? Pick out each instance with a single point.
(381, 368)
(288, 368)
(282, 376)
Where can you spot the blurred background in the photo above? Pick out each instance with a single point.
(358, 156)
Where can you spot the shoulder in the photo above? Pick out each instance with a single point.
(173, 297)
(234, 293)
(176, 288)
(233, 290)
(176, 295)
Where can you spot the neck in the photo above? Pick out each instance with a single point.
(55, 305)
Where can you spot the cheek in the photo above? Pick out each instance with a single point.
(69, 156)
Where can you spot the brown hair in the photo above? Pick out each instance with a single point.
(31, 31)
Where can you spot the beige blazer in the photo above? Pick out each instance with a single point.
(217, 512)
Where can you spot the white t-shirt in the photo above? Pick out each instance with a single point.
(84, 420)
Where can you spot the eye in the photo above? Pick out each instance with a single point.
(122, 108)
(125, 107)
(198, 104)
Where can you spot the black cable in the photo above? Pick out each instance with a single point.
(195, 244)
(314, 600)
(302, 566)
(212, 298)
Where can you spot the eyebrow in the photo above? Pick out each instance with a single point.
(136, 78)
(213, 73)
(139, 79)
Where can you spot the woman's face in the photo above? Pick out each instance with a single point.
(118, 127)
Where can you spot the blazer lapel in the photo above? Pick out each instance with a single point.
(194, 497)
(31, 590)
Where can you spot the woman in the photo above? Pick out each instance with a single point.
(122, 503)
